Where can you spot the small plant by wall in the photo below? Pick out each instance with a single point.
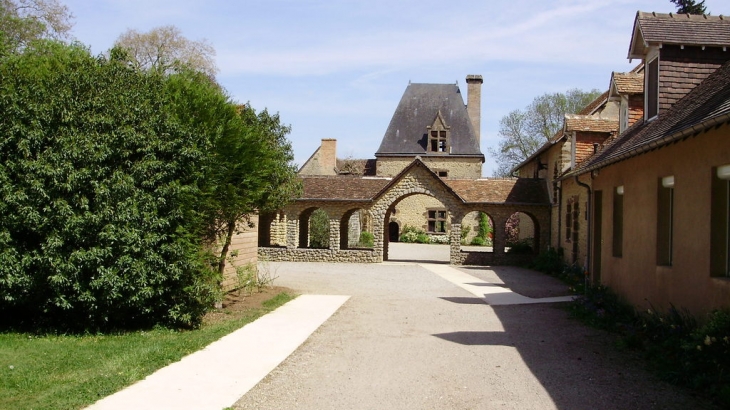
(319, 230)
(678, 347)
(366, 240)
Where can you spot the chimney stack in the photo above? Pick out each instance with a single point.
(474, 103)
(328, 156)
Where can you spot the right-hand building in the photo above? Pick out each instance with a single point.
(659, 208)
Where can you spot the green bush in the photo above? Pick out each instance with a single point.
(477, 241)
(319, 230)
(550, 262)
(366, 239)
(679, 348)
(465, 229)
(423, 238)
(521, 246)
(410, 234)
(101, 169)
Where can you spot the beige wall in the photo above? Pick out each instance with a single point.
(244, 245)
(458, 168)
(323, 161)
(635, 274)
(413, 211)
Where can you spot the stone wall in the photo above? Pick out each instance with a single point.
(419, 181)
(413, 211)
(457, 168)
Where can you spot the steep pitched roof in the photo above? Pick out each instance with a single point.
(678, 29)
(420, 104)
(527, 191)
(707, 105)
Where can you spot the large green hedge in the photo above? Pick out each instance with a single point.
(101, 169)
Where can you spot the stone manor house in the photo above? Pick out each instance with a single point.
(426, 174)
(635, 188)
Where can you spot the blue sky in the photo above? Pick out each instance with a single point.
(337, 69)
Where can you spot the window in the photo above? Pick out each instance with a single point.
(665, 211)
(720, 222)
(618, 221)
(443, 174)
(652, 89)
(438, 141)
(437, 221)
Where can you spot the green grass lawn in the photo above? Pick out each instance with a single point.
(71, 372)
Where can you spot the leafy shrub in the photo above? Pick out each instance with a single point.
(550, 262)
(439, 239)
(319, 230)
(465, 229)
(485, 227)
(423, 238)
(679, 349)
(100, 187)
(520, 246)
(477, 241)
(410, 234)
(366, 239)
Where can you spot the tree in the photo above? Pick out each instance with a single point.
(690, 6)
(22, 21)
(252, 172)
(102, 169)
(523, 132)
(166, 50)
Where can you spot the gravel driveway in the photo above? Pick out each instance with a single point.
(408, 339)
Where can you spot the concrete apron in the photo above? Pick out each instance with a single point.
(221, 373)
(491, 293)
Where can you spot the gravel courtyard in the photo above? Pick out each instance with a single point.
(409, 339)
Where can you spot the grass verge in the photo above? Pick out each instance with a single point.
(70, 372)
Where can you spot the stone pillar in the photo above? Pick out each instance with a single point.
(292, 231)
(455, 244)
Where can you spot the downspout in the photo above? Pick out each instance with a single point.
(560, 213)
(590, 219)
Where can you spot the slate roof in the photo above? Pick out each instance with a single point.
(503, 190)
(417, 109)
(705, 106)
(678, 29)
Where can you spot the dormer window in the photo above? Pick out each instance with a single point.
(652, 88)
(438, 141)
(438, 135)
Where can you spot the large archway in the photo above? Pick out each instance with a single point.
(423, 233)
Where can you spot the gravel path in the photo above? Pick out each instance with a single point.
(408, 339)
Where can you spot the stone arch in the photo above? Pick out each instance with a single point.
(352, 224)
(305, 228)
(470, 225)
(522, 230)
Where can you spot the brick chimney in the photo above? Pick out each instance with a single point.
(474, 102)
(328, 156)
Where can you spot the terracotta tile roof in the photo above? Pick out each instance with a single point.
(501, 190)
(341, 188)
(707, 105)
(575, 122)
(678, 29)
(628, 83)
